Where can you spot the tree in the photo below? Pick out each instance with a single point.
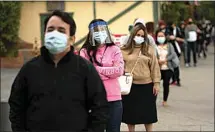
(10, 13)
(174, 11)
(206, 10)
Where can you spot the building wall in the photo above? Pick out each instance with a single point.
(83, 14)
(30, 20)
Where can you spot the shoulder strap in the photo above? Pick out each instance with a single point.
(136, 62)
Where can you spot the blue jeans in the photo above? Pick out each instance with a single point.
(115, 116)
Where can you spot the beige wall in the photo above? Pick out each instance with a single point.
(83, 14)
(30, 20)
(107, 11)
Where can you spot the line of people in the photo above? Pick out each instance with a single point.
(61, 91)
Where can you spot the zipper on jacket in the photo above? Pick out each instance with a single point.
(55, 66)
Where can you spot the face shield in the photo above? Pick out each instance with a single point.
(99, 33)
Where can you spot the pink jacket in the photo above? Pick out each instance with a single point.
(112, 67)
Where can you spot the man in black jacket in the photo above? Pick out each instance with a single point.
(58, 90)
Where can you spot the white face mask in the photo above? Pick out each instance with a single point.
(56, 42)
(161, 40)
(138, 39)
(100, 36)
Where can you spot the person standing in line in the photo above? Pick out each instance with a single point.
(167, 60)
(107, 58)
(213, 34)
(150, 29)
(161, 26)
(191, 31)
(139, 107)
(207, 34)
(183, 45)
(175, 37)
(58, 91)
(151, 40)
(200, 42)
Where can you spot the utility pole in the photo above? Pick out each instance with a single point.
(94, 9)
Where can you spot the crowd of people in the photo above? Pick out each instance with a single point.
(60, 90)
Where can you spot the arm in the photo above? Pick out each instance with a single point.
(186, 32)
(83, 53)
(155, 71)
(18, 102)
(179, 36)
(115, 71)
(172, 53)
(97, 102)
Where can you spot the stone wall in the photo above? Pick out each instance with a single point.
(12, 62)
(17, 62)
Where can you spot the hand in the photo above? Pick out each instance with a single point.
(179, 40)
(162, 61)
(172, 37)
(155, 91)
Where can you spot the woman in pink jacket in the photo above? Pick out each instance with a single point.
(107, 58)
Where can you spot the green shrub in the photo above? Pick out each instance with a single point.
(10, 13)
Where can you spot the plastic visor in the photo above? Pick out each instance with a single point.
(99, 27)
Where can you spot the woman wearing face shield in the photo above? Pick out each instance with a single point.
(139, 107)
(107, 58)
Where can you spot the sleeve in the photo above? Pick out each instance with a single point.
(18, 102)
(186, 32)
(97, 102)
(155, 70)
(179, 33)
(172, 52)
(115, 71)
(83, 53)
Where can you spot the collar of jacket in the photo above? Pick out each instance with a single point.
(47, 56)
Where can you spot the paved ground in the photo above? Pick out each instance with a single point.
(191, 107)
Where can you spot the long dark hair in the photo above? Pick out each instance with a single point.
(88, 45)
(131, 43)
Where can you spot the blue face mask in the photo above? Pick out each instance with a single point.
(161, 40)
(56, 42)
(139, 40)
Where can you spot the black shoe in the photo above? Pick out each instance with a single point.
(195, 65)
(178, 84)
(205, 56)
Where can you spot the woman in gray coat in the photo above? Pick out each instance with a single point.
(168, 60)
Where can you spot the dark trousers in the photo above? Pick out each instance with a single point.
(201, 47)
(166, 76)
(176, 75)
(184, 50)
(115, 116)
(191, 47)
